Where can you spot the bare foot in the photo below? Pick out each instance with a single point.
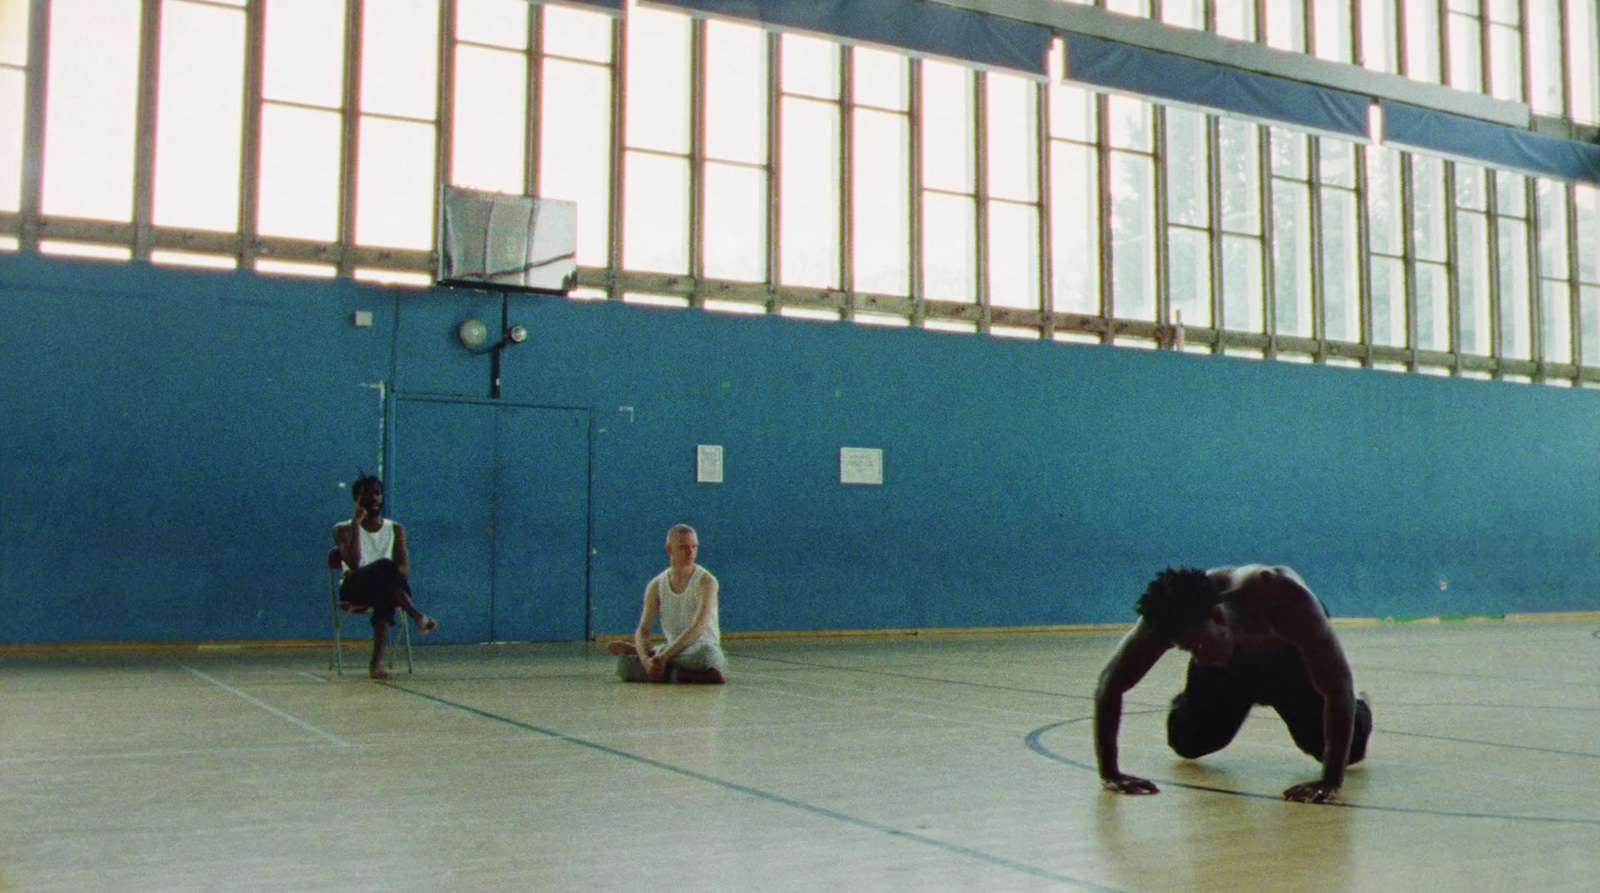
(379, 673)
(620, 648)
(427, 625)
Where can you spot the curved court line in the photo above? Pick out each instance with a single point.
(1032, 741)
(813, 809)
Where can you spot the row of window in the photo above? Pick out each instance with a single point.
(717, 164)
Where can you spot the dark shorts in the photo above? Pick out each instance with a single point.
(375, 586)
(1213, 705)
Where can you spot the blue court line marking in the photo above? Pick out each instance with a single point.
(813, 809)
(1034, 745)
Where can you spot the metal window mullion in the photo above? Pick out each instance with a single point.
(1367, 329)
(1319, 303)
(919, 306)
(1215, 256)
(1491, 248)
(33, 118)
(1160, 240)
(774, 169)
(349, 171)
(697, 161)
(1044, 186)
(1442, 25)
(533, 100)
(1535, 309)
(444, 103)
(980, 198)
(250, 138)
(847, 175)
(619, 123)
(1574, 285)
(1108, 307)
(145, 115)
(1452, 267)
(1269, 241)
(1408, 251)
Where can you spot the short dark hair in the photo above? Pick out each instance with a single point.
(1178, 599)
(362, 483)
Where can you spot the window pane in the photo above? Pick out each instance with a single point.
(1291, 258)
(1237, 19)
(490, 118)
(1013, 137)
(736, 92)
(1589, 308)
(1337, 162)
(1331, 25)
(1385, 217)
(305, 52)
(949, 258)
(1586, 205)
(12, 91)
(1286, 25)
(655, 216)
(1341, 284)
(1516, 334)
(1013, 255)
(1388, 301)
(1072, 113)
(1243, 305)
(809, 234)
(1239, 161)
(1188, 169)
(1511, 194)
(1290, 154)
(1552, 204)
(298, 194)
(1466, 53)
(1583, 55)
(1074, 228)
(576, 34)
(947, 136)
(810, 66)
(499, 23)
(658, 81)
(1378, 36)
(881, 79)
(1184, 13)
(89, 126)
(1546, 92)
(14, 33)
(1433, 307)
(882, 203)
(1133, 230)
(200, 109)
(1472, 272)
(1189, 275)
(1129, 124)
(1422, 40)
(1505, 59)
(1428, 208)
(395, 192)
(736, 222)
(1555, 304)
(400, 58)
(575, 158)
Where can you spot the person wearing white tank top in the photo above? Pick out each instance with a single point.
(376, 562)
(684, 596)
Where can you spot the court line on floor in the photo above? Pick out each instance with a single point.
(1033, 743)
(271, 709)
(767, 796)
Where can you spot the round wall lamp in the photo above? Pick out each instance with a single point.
(472, 333)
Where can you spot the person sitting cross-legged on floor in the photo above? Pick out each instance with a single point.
(685, 597)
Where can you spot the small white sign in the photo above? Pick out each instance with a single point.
(860, 465)
(708, 464)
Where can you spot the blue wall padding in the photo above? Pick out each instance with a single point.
(174, 445)
(907, 24)
(1407, 126)
(1117, 66)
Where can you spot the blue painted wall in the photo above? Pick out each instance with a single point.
(174, 445)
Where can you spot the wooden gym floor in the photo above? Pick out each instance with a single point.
(917, 763)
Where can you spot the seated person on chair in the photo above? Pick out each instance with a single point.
(374, 552)
(685, 597)
(1255, 635)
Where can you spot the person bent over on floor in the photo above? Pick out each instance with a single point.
(374, 552)
(1255, 635)
(685, 597)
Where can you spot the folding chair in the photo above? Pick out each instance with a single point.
(401, 633)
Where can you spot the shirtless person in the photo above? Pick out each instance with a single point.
(685, 597)
(1255, 635)
(374, 551)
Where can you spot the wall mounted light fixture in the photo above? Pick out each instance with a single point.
(472, 333)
